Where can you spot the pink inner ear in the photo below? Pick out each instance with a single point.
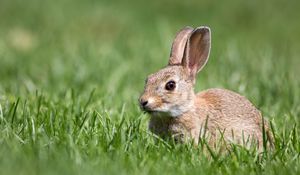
(198, 50)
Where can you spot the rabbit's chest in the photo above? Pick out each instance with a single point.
(169, 130)
(181, 129)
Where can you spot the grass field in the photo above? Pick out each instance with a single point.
(71, 73)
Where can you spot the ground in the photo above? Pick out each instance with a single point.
(71, 73)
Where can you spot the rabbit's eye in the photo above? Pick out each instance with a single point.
(170, 85)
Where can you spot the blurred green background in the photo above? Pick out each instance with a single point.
(93, 56)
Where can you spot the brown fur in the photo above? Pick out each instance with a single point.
(213, 114)
(226, 112)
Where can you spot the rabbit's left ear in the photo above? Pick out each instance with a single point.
(197, 50)
(178, 45)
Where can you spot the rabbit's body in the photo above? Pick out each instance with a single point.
(216, 114)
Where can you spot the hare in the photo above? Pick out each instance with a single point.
(215, 114)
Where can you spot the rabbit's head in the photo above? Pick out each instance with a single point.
(170, 91)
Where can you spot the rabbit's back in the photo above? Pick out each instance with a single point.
(231, 115)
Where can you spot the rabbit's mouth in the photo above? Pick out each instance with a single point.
(158, 107)
(158, 113)
(150, 110)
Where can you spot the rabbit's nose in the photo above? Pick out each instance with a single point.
(143, 103)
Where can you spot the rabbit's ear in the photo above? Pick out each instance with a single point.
(197, 50)
(178, 45)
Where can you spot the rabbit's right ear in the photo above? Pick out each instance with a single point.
(178, 45)
(197, 50)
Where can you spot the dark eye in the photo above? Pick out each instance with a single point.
(170, 85)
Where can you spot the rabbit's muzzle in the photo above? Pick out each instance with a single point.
(146, 103)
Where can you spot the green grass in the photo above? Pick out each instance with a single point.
(71, 73)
